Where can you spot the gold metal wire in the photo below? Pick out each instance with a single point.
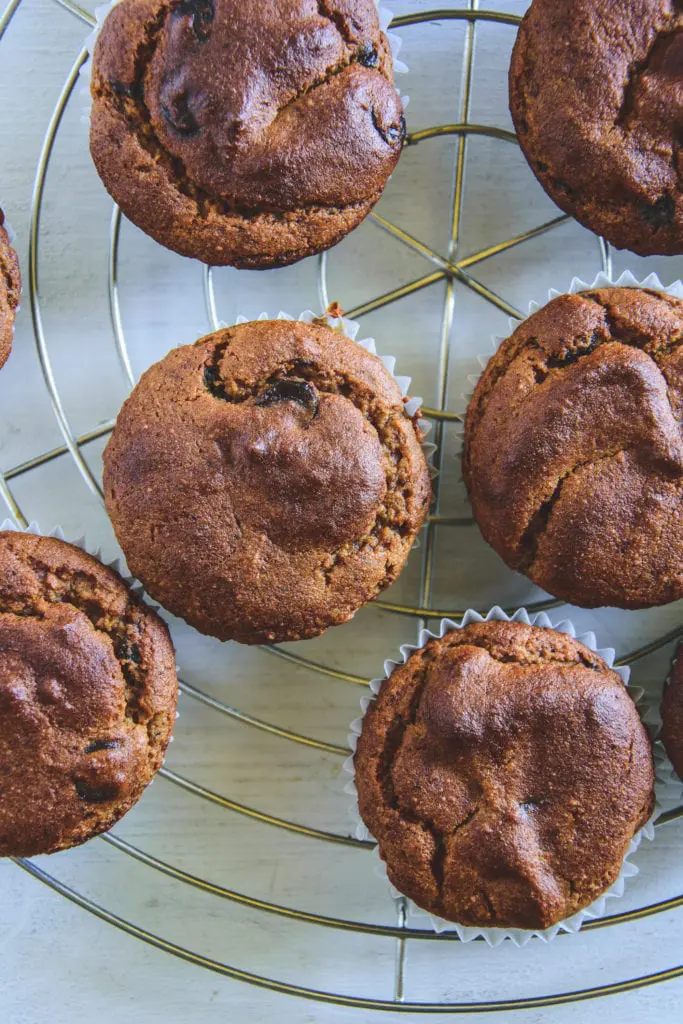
(450, 269)
(338, 998)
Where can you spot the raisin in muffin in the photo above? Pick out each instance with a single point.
(10, 287)
(573, 452)
(672, 715)
(503, 771)
(595, 95)
(266, 482)
(245, 133)
(88, 692)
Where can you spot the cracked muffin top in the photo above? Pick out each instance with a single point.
(10, 288)
(672, 715)
(573, 453)
(503, 771)
(88, 693)
(242, 132)
(266, 482)
(596, 95)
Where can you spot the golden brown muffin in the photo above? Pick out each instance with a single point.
(595, 95)
(266, 482)
(672, 715)
(573, 452)
(10, 288)
(241, 132)
(88, 693)
(504, 771)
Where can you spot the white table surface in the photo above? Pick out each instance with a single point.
(57, 962)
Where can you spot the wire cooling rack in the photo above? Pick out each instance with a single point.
(448, 270)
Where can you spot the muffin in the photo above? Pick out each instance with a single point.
(88, 693)
(504, 771)
(595, 98)
(10, 287)
(266, 482)
(573, 452)
(245, 133)
(672, 715)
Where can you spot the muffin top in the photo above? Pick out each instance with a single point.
(87, 695)
(503, 771)
(573, 451)
(672, 715)
(10, 287)
(266, 481)
(274, 123)
(597, 100)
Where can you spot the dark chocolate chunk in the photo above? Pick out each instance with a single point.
(368, 56)
(201, 14)
(98, 745)
(179, 115)
(95, 794)
(288, 390)
(660, 213)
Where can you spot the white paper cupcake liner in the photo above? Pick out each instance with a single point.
(494, 936)
(625, 280)
(81, 542)
(100, 14)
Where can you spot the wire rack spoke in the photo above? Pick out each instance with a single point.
(400, 931)
(339, 999)
(78, 12)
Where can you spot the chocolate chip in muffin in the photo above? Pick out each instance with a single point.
(267, 481)
(245, 133)
(289, 390)
(503, 770)
(573, 454)
(595, 98)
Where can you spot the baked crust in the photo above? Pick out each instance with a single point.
(88, 693)
(595, 98)
(266, 482)
(245, 133)
(573, 453)
(672, 715)
(503, 771)
(10, 289)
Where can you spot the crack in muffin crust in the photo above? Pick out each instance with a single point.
(503, 790)
(168, 132)
(593, 96)
(328, 382)
(297, 461)
(573, 438)
(88, 692)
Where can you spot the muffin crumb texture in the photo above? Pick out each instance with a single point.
(88, 692)
(266, 482)
(595, 98)
(672, 715)
(503, 771)
(245, 133)
(10, 288)
(573, 453)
